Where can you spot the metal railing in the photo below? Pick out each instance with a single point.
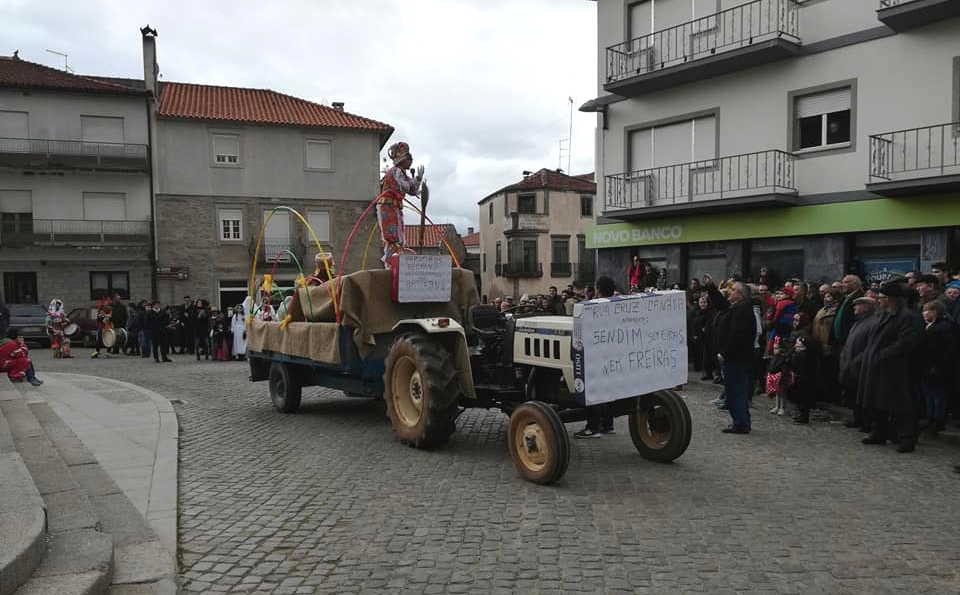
(892, 3)
(561, 269)
(79, 148)
(279, 251)
(915, 153)
(78, 230)
(730, 29)
(521, 269)
(750, 174)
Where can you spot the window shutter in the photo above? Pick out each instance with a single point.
(13, 125)
(96, 129)
(104, 206)
(16, 201)
(320, 222)
(319, 154)
(705, 139)
(823, 103)
(672, 144)
(641, 145)
(226, 144)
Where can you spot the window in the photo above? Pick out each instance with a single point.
(98, 129)
(527, 204)
(104, 206)
(586, 205)
(561, 250)
(16, 211)
(319, 154)
(823, 120)
(499, 256)
(526, 254)
(106, 283)
(276, 238)
(490, 216)
(320, 222)
(484, 258)
(231, 224)
(12, 223)
(670, 144)
(226, 149)
(14, 125)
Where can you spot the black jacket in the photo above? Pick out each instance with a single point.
(735, 332)
(886, 372)
(938, 352)
(851, 357)
(119, 315)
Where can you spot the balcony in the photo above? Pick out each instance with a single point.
(32, 153)
(526, 222)
(561, 269)
(748, 35)
(521, 269)
(901, 15)
(281, 252)
(76, 232)
(766, 178)
(916, 161)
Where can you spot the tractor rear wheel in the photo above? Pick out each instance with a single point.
(538, 443)
(660, 426)
(421, 391)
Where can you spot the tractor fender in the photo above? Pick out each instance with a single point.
(455, 339)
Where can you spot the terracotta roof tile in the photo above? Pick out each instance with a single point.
(433, 235)
(19, 73)
(472, 239)
(550, 179)
(259, 106)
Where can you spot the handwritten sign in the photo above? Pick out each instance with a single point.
(630, 345)
(424, 278)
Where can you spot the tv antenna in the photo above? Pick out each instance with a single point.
(66, 59)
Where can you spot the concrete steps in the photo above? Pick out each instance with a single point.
(96, 540)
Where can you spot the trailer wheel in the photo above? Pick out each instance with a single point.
(660, 426)
(285, 390)
(421, 391)
(538, 443)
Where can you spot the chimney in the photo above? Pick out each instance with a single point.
(469, 231)
(150, 68)
(338, 105)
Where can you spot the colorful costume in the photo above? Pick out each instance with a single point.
(14, 359)
(57, 323)
(394, 187)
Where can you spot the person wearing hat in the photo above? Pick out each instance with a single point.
(864, 320)
(803, 361)
(886, 387)
(394, 187)
(951, 299)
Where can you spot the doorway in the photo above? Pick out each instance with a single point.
(20, 288)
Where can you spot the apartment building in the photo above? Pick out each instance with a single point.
(809, 137)
(75, 210)
(532, 234)
(227, 157)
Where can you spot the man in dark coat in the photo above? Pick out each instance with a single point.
(852, 291)
(120, 317)
(735, 336)
(887, 384)
(851, 357)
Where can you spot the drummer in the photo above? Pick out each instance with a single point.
(104, 322)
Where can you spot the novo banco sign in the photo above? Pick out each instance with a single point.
(770, 222)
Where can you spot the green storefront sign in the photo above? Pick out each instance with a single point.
(858, 216)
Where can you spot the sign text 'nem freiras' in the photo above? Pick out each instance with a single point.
(424, 278)
(631, 346)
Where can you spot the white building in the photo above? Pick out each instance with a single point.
(808, 137)
(75, 201)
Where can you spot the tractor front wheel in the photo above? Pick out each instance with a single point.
(538, 443)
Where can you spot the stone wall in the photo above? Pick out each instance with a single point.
(70, 280)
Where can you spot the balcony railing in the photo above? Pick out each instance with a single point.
(892, 3)
(82, 231)
(50, 153)
(731, 29)
(740, 176)
(561, 269)
(279, 251)
(902, 15)
(915, 153)
(521, 269)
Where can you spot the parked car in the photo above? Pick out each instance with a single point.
(31, 321)
(86, 319)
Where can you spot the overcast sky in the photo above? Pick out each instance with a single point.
(478, 88)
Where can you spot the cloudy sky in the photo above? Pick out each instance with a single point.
(478, 87)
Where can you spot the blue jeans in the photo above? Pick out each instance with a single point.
(31, 373)
(935, 396)
(737, 380)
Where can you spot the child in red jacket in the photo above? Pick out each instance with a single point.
(15, 359)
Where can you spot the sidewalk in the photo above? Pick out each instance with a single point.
(132, 432)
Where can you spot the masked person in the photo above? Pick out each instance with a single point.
(394, 187)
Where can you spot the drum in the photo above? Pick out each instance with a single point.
(71, 329)
(109, 337)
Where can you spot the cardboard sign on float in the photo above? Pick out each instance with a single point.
(421, 278)
(627, 346)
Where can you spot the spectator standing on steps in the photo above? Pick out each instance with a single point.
(599, 419)
(735, 335)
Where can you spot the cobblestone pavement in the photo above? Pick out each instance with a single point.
(328, 501)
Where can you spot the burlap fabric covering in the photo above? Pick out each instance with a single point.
(367, 308)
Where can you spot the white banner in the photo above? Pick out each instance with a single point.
(424, 278)
(631, 345)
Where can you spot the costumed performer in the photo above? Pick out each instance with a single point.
(394, 187)
(238, 325)
(57, 323)
(104, 322)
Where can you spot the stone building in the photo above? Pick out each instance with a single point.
(227, 157)
(75, 204)
(532, 234)
(809, 138)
